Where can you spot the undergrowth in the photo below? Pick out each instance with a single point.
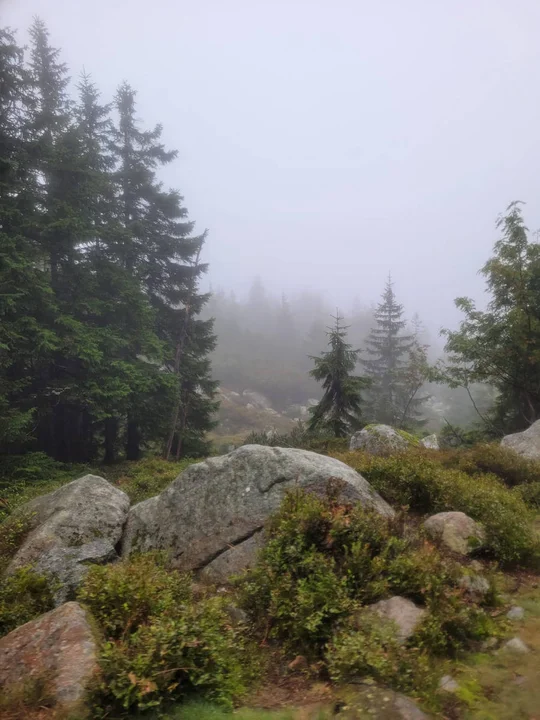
(422, 483)
(161, 643)
(324, 562)
(24, 477)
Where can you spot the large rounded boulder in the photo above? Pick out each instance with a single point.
(79, 524)
(526, 443)
(380, 440)
(222, 502)
(57, 650)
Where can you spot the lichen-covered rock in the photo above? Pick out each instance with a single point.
(234, 560)
(457, 531)
(403, 612)
(379, 440)
(57, 649)
(526, 443)
(78, 524)
(225, 500)
(431, 442)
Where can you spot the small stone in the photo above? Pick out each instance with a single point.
(431, 442)
(403, 612)
(474, 585)
(516, 645)
(459, 532)
(515, 613)
(448, 684)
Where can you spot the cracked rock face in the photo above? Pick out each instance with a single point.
(221, 502)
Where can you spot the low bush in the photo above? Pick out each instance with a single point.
(23, 596)
(422, 483)
(160, 643)
(529, 493)
(373, 649)
(324, 561)
(511, 468)
(127, 595)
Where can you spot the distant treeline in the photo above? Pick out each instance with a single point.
(265, 343)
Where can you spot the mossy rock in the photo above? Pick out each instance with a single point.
(382, 440)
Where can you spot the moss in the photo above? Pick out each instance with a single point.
(408, 437)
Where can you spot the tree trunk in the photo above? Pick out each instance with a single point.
(59, 430)
(133, 451)
(110, 432)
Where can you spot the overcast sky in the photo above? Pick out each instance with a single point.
(325, 144)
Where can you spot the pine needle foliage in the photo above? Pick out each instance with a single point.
(339, 409)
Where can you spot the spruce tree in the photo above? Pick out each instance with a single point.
(100, 334)
(388, 347)
(157, 247)
(27, 339)
(339, 409)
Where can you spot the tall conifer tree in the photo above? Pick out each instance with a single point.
(388, 348)
(339, 409)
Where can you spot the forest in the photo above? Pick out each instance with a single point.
(221, 501)
(109, 345)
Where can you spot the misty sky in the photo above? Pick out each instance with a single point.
(325, 144)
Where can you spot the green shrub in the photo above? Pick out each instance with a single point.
(126, 595)
(422, 483)
(160, 643)
(373, 649)
(451, 625)
(294, 591)
(12, 533)
(511, 468)
(529, 493)
(23, 596)
(324, 560)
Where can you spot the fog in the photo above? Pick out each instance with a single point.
(326, 144)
